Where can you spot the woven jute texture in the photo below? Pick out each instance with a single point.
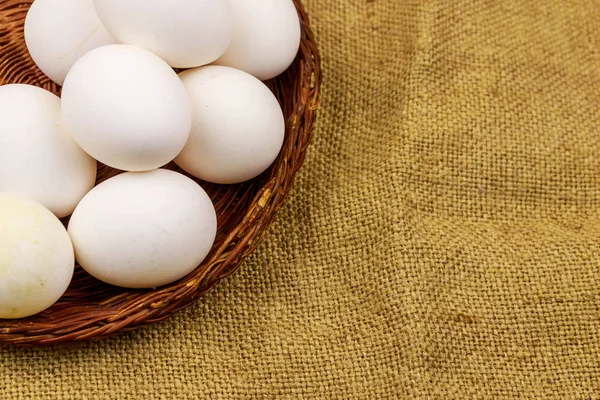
(442, 240)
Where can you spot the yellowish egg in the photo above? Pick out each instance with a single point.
(36, 257)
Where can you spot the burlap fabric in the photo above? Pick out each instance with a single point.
(442, 240)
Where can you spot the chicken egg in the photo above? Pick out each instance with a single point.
(238, 126)
(36, 257)
(126, 107)
(59, 32)
(143, 229)
(39, 160)
(266, 37)
(184, 33)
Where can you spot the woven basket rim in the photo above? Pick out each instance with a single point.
(247, 209)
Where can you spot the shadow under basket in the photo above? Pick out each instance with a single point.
(92, 310)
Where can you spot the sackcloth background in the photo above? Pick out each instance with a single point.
(442, 240)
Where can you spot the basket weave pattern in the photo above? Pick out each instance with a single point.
(93, 310)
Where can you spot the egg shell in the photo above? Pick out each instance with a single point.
(36, 257)
(59, 32)
(38, 158)
(185, 33)
(144, 229)
(238, 127)
(126, 107)
(266, 37)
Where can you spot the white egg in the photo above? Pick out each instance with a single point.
(184, 33)
(143, 229)
(38, 159)
(238, 127)
(126, 107)
(59, 32)
(36, 257)
(266, 37)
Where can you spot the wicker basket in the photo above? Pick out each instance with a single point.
(93, 310)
